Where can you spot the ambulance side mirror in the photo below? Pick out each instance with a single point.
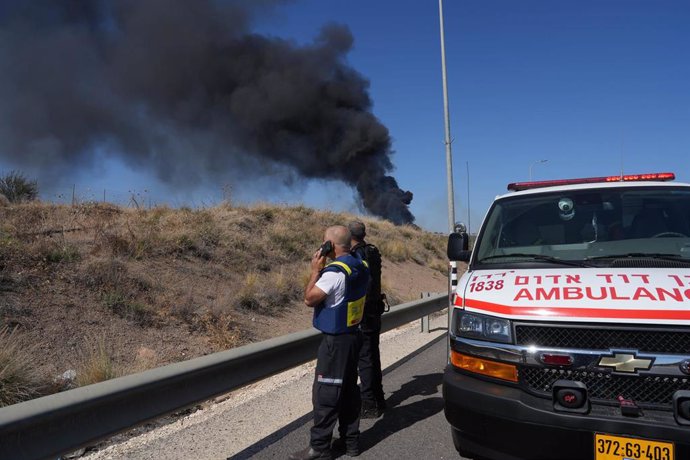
(457, 247)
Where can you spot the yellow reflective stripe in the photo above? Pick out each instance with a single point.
(365, 263)
(341, 264)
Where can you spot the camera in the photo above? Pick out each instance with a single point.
(566, 208)
(565, 205)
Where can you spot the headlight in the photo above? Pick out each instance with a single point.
(483, 327)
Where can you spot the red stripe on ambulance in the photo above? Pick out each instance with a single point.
(573, 312)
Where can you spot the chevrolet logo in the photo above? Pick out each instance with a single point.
(626, 362)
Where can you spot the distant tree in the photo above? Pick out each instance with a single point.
(18, 188)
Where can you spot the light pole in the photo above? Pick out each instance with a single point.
(534, 163)
(453, 272)
(446, 111)
(469, 225)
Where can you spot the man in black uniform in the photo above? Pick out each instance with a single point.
(373, 400)
(337, 293)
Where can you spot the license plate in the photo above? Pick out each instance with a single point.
(609, 447)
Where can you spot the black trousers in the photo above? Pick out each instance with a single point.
(335, 393)
(369, 364)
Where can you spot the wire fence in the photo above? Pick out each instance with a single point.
(135, 198)
(74, 195)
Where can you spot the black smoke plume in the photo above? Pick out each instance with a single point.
(185, 89)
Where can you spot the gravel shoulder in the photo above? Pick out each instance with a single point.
(246, 416)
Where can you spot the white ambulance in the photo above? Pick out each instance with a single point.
(570, 331)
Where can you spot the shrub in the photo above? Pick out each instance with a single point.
(287, 242)
(96, 363)
(126, 308)
(221, 330)
(396, 250)
(8, 246)
(62, 253)
(145, 359)
(18, 188)
(440, 266)
(268, 294)
(184, 243)
(18, 379)
(264, 212)
(105, 273)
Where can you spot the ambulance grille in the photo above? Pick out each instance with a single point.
(646, 391)
(583, 338)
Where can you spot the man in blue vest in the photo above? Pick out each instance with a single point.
(337, 292)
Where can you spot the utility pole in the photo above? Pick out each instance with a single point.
(449, 156)
(453, 267)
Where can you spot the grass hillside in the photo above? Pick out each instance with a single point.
(93, 291)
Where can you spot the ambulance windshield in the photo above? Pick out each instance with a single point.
(589, 225)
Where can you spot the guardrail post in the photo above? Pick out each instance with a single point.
(426, 321)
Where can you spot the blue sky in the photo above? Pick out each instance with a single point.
(590, 86)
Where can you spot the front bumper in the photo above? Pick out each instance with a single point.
(502, 422)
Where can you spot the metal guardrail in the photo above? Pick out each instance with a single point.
(57, 424)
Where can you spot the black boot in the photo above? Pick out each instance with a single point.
(310, 454)
(381, 405)
(351, 449)
(372, 409)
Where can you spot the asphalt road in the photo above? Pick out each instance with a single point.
(270, 418)
(413, 426)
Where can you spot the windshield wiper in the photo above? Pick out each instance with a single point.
(539, 257)
(649, 255)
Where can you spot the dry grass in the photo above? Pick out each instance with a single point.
(440, 266)
(145, 359)
(96, 363)
(268, 293)
(125, 307)
(177, 282)
(19, 381)
(395, 250)
(221, 330)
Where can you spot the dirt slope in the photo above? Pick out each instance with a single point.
(106, 291)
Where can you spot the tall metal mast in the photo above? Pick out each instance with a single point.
(449, 156)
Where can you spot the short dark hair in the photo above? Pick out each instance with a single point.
(357, 229)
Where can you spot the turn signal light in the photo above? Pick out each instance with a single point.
(484, 366)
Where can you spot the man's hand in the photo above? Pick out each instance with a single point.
(313, 296)
(317, 262)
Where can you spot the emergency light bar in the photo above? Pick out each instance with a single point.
(660, 177)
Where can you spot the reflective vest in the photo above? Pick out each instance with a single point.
(347, 314)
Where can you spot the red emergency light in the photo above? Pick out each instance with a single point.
(660, 177)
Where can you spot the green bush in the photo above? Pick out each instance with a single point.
(17, 188)
(64, 253)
